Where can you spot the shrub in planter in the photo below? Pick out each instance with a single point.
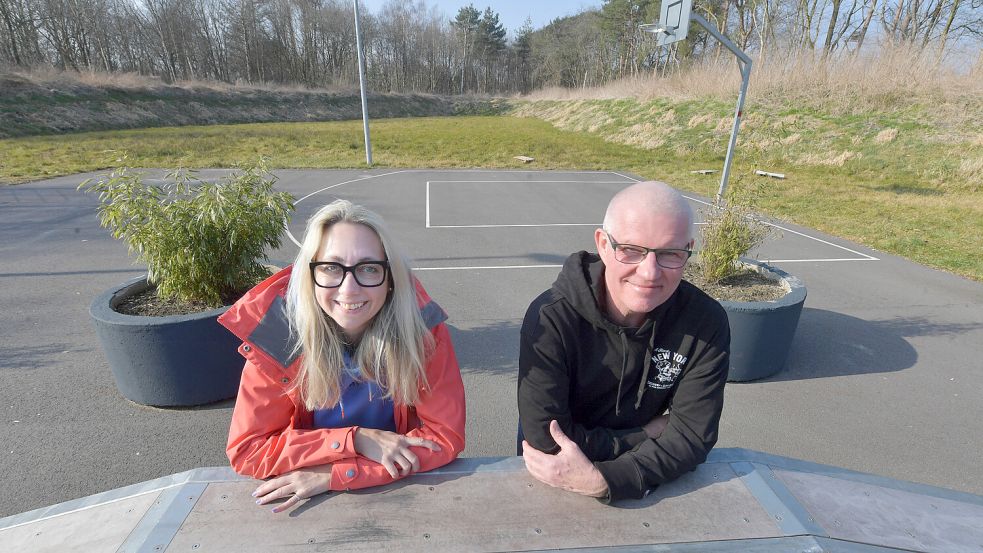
(203, 244)
(729, 232)
(761, 329)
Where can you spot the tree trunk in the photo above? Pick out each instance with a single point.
(7, 19)
(830, 29)
(866, 25)
(948, 26)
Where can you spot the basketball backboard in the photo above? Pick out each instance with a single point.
(673, 21)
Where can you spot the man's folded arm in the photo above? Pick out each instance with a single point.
(544, 392)
(689, 436)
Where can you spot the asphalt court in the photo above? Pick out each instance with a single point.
(880, 378)
(543, 216)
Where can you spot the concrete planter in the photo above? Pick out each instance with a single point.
(761, 332)
(172, 361)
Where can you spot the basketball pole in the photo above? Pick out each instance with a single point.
(745, 62)
(668, 34)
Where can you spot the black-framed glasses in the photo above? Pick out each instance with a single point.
(368, 274)
(667, 258)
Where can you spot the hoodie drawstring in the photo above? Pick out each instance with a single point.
(624, 365)
(645, 371)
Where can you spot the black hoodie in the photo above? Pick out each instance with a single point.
(603, 382)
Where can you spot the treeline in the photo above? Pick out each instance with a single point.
(413, 47)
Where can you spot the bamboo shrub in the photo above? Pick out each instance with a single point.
(730, 230)
(203, 242)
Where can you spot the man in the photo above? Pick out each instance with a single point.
(622, 364)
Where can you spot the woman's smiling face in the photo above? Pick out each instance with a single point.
(351, 305)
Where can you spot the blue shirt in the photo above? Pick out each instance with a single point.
(361, 404)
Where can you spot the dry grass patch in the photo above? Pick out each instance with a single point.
(885, 136)
(644, 135)
(702, 120)
(971, 169)
(135, 81)
(828, 158)
(791, 139)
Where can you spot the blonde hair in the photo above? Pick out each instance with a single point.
(392, 350)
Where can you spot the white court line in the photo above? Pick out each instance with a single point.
(514, 171)
(769, 261)
(632, 179)
(785, 229)
(533, 181)
(517, 225)
(815, 260)
(428, 225)
(864, 257)
(487, 267)
(366, 177)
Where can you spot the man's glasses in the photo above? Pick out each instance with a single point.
(667, 258)
(369, 274)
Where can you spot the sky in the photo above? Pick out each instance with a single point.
(511, 13)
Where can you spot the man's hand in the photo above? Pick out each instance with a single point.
(294, 485)
(569, 469)
(391, 450)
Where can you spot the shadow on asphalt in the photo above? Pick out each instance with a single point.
(492, 349)
(921, 326)
(826, 344)
(833, 344)
(544, 258)
(134, 271)
(34, 357)
(217, 405)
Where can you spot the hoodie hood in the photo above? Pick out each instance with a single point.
(581, 283)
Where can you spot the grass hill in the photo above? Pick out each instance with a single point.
(886, 151)
(40, 104)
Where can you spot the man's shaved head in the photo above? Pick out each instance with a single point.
(644, 200)
(648, 215)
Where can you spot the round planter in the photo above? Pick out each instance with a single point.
(179, 360)
(761, 332)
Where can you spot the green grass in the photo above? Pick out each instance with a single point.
(417, 142)
(908, 196)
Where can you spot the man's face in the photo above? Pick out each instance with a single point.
(634, 290)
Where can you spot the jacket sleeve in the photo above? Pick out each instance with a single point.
(544, 394)
(263, 438)
(441, 413)
(694, 418)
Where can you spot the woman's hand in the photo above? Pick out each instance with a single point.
(294, 485)
(391, 450)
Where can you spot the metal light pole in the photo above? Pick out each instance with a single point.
(361, 84)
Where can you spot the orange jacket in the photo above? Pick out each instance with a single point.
(271, 429)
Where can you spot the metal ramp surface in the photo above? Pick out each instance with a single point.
(739, 500)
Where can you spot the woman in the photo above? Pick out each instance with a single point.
(350, 379)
